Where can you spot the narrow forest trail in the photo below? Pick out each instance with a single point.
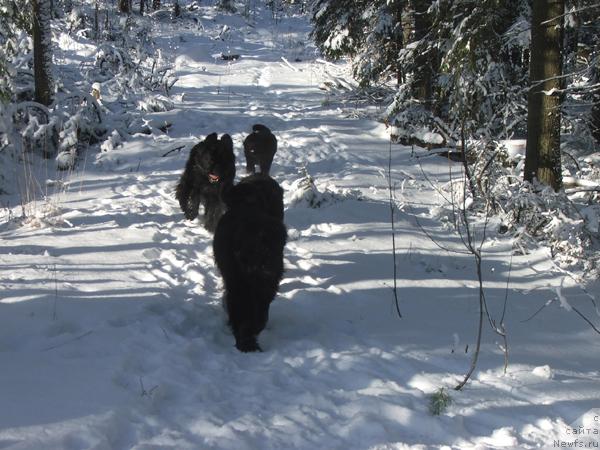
(112, 335)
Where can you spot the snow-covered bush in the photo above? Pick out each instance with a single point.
(110, 60)
(409, 119)
(71, 120)
(113, 141)
(79, 22)
(156, 103)
(66, 159)
(565, 221)
(555, 219)
(439, 402)
(128, 60)
(305, 192)
(41, 137)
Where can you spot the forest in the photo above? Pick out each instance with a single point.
(435, 245)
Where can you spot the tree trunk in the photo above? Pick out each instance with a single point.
(423, 77)
(398, 43)
(595, 122)
(595, 112)
(42, 51)
(124, 6)
(142, 7)
(542, 157)
(96, 21)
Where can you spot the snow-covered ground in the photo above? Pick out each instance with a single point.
(112, 335)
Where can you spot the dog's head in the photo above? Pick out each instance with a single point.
(215, 160)
(260, 128)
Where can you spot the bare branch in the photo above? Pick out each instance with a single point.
(391, 192)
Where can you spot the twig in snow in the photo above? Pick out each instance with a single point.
(539, 310)
(586, 319)
(77, 338)
(173, 150)
(144, 392)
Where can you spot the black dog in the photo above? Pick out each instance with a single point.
(248, 249)
(259, 148)
(209, 170)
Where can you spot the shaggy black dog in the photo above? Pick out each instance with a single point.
(259, 148)
(248, 249)
(209, 170)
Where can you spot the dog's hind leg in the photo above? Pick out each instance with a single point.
(245, 341)
(241, 319)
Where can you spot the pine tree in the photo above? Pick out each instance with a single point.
(376, 59)
(582, 60)
(371, 32)
(483, 73)
(464, 63)
(339, 26)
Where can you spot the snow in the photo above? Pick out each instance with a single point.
(112, 335)
(428, 137)
(515, 148)
(593, 159)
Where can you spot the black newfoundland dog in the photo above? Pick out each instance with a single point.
(210, 169)
(259, 148)
(248, 249)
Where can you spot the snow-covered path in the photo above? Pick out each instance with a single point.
(112, 335)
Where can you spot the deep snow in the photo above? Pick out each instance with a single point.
(112, 335)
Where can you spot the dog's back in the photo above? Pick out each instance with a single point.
(254, 221)
(260, 147)
(248, 248)
(258, 192)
